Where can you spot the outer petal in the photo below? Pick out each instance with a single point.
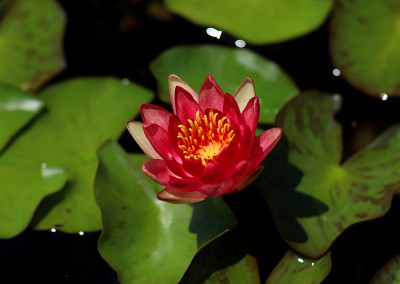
(244, 93)
(263, 145)
(136, 130)
(246, 180)
(217, 189)
(251, 114)
(153, 114)
(178, 197)
(175, 81)
(158, 171)
(211, 95)
(159, 138)
(186, 107)
(231, 110)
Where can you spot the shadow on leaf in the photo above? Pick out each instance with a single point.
(278, 184)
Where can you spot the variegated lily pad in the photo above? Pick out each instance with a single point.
(313, 195)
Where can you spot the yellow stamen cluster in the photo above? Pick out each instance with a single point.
(205, 137)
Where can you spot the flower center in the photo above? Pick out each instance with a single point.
(205, 137)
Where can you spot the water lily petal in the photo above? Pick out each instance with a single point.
(244, 93)
(263, 145)
(216, 190)
(231, 110)
(159, 138)
(249, 178)
(251, 114)
(211, 95)
(158, 171)
(175, 81)
(186, 106)
(135, 128)
(178, 197)
(153, 114)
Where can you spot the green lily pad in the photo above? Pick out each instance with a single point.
(244, 271)
(82, 114)
(229, 67)
(314, 196)
(298, 269)
(31, 34)
(365, 44)
(16, 109)
(146, 240)
(389, 273)
(21, 191)
(258, 22)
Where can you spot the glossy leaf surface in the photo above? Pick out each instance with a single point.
(389, 273)
(146, 240)
(244, 271)
(229, 67)
(294, 269)
(258, 22)
(22, 189)
(31, 34)
(365, 44)
(16, 109)
(313, 196)
(81, 115)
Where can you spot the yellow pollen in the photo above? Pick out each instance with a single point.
(204, 138)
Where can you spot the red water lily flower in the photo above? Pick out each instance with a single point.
(207, 147)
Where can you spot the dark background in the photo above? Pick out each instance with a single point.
(120, 38)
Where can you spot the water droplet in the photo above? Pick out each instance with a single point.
(81, 233)
(240, 43)
(300, 260)
(384, 96)
(336, 72)
(214, 33)
(53, 230)
(125, 81)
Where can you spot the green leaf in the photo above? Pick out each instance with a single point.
(82, 114)
(297, 269)
(16, 109)
(144, 239)
(258, 22)
(21, 190)
(365, 44)
(229, 67)
(244, 271)
(31, 35)
(313, 196)
(389, 273)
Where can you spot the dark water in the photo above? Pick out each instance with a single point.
(119, 38)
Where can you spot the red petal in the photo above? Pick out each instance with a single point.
(185, 185)
(186, 107)
(249, 178)
(175, 81)
(231, 110)
(251, 114)
(263, 145)
(159, 139)
(210, 95)
(158, 171)
(178, 197)
(153, 114)
(216, 189)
